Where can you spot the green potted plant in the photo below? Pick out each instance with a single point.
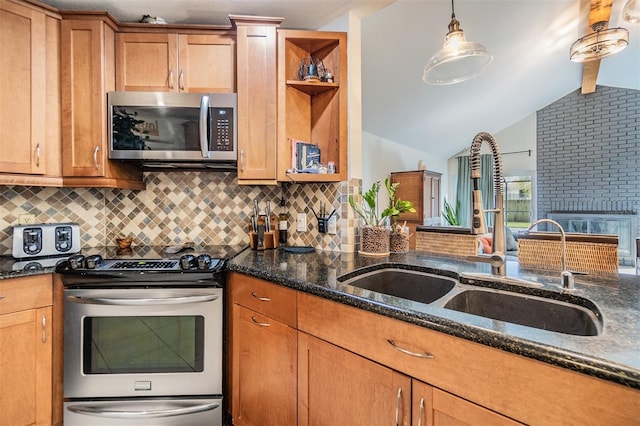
(451, 214)
(374, 234)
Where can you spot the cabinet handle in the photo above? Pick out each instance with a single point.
(242, 160)
(37, 152)
(398, 399)
(181, 80)
(408, 352)
(44, 329)
(260, 298)
(171, 78)
(421, 411)
(261, 324)
(95, 157)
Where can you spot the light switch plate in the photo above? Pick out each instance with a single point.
(301, 222)
(331, 225)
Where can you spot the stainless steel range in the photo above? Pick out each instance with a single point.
(143, 340)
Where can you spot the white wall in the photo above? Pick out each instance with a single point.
(381, 157)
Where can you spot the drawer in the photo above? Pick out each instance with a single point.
(486, 376)
(19, 294)
(272, 300)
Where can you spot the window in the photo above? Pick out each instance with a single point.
(517, 201)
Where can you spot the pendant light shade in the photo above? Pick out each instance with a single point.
(458, 60)
(631, 11)
(599, 44)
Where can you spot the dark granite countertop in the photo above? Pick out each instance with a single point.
(612, 355)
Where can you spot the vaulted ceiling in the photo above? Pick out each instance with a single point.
(529, 40)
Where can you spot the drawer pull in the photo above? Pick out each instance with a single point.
(398, 399)
(425, 355)
(260, 323)
(421, 412)
(260, 298)
(44, 329)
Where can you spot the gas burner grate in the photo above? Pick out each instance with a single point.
(145, 264)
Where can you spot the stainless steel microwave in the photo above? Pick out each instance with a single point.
(172, 128)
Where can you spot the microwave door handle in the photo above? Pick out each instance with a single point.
(90, 410)
(142, 300)
(204, 135)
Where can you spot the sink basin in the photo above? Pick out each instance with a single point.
(413, 285)
(530, 311)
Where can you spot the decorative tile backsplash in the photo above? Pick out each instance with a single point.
(204, 207)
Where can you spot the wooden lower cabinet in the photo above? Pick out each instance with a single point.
(26, 351)
(263, 354)
(338, 387)
(433, 407)
(352, 370)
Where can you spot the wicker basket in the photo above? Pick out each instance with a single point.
(585, 252)
(450, 244)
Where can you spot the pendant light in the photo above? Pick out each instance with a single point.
(458, 60)
(631, 11)
(599, 44)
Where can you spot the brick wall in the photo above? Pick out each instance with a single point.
(588, 153)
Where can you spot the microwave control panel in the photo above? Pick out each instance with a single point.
(222, 129)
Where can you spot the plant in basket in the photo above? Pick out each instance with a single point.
(374, 236)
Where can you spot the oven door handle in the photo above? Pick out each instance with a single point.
(142, 414)
(142, 300)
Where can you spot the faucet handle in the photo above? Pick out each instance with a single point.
(494, 259)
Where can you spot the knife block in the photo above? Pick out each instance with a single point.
(269, 240)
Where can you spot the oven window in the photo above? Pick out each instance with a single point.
(154, 344)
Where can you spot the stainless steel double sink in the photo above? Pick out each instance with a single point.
(546, 310)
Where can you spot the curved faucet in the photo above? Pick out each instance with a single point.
(568, 282)
(478, 225)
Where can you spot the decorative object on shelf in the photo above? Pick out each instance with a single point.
(374, 234)
(311, 69)
(602, 42)
(458, 60)
(148, 19)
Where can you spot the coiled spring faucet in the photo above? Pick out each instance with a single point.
(478, 225)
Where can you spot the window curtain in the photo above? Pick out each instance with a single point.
(463, 188)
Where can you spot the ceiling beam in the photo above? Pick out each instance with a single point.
(599, 11)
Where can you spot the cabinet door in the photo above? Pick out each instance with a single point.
(434, 407)
(206, 63)
(88, 73)
(146, 62)
(85, 148)
(338, 387)
(22, 89)
(264, 370)
(257, 115)
(25, 363)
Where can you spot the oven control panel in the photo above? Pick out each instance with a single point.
(47, 239)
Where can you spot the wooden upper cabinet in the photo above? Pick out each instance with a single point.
(168, 62)
(312, 111)
(88, 73)
(257, 106)
(22, 88)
